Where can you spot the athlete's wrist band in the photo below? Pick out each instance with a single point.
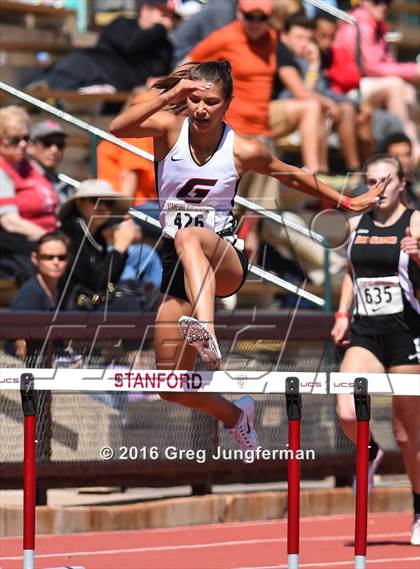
(345, 202)
(342, 315)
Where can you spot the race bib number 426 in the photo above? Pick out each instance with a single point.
(379, 296)
(179, 215)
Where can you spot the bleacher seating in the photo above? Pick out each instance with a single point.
(405, 19)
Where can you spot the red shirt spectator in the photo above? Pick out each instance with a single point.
(28, 200)
(35, 198)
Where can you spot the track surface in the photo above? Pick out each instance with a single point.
(325, 542)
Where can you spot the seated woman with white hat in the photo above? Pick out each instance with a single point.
(103, 247)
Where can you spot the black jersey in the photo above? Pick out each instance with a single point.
(385, 279)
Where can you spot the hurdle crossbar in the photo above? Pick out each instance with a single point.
(258, 382)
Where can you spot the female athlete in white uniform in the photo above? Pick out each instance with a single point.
(199, 163)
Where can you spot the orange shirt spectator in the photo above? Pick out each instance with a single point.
(114, 164)
(253, 68)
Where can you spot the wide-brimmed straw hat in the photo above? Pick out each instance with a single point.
(95, 189)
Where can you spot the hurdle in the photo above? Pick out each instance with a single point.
(29, 407)
(362, 406)
(292, 386)
(294, 415)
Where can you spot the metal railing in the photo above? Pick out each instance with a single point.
(97, 133)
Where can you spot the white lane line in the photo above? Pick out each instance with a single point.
(202, 546)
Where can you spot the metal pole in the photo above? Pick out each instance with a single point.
(327, 279)
(336, 12)
(362, 405)
(294, 414)
(29, 469)
(280, 219)
(94, 154)
(74, 121)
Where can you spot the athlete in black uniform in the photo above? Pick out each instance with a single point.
(381, 284)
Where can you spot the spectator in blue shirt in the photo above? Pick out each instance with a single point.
(42, 291)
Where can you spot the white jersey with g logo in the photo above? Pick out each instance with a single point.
(197, 195)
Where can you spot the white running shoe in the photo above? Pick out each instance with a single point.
(198, 336)
(243, 432)
(415, 535)
(373, 466)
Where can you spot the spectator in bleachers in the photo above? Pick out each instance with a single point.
(282, 9)
(129, 51)
(105, 249)
(383, 81)
(373, 124)
(46, 149)
(216, 14)
(305, 101)
(28, 200)
(132, 175)
(399, 145)
(42, 291)
(213, 16)
(248, 43)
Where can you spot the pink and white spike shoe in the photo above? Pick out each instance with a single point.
(198, 336)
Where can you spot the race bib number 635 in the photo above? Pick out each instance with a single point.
(379, 296)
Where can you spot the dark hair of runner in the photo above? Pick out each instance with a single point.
(217, 72)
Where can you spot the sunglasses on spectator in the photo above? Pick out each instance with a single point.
(15, 140)
(100, 201)
(250, 17)
(52, 257)
(48, 142)
(379, 2)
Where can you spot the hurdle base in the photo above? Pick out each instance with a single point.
(67, 567)
(293, 561)
(360, 562)
(28, 559)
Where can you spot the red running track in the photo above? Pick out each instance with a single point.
(325, 542)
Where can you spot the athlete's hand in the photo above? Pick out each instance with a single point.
(371, 197)
(183, 89)
(410, 245)
(340, 330)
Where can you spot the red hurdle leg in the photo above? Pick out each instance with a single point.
(294, 411)
(362, 404)
(29, 469)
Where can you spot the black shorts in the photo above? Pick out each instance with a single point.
(397, 349)
(173, 271)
